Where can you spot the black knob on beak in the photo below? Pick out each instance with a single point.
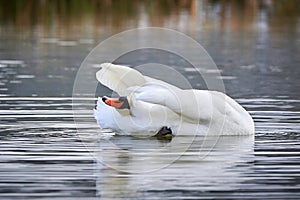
(104, 99)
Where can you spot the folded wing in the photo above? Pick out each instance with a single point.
(118, 78)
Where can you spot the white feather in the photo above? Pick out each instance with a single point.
(118, 78)
(154, 104)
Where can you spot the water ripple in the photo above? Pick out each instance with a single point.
(42, 156)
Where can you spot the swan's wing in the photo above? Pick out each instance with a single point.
(193, 105)
(156, 93)
(118, 78)
(129, 82)
(150, 93)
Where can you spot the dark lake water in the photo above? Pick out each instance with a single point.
(44, 155)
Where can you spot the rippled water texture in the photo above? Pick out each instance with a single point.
(44, 155)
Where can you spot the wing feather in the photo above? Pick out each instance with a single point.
(118, 78)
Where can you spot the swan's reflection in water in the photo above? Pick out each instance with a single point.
(130, 167)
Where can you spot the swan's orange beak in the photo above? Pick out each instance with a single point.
(114, 102)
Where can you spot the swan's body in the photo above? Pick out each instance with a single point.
(155, 104)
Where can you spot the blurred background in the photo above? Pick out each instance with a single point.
(255, 45)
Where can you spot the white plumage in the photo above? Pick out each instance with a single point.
(154, 104)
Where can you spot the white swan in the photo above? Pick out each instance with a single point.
(151, 105)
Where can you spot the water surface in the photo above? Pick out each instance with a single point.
(42, 156)
(255, 45)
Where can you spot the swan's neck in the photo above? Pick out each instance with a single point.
(125, 108)
(125, 103)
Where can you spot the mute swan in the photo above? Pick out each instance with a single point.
(149, 106)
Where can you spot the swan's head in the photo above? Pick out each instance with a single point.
(118, 103)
